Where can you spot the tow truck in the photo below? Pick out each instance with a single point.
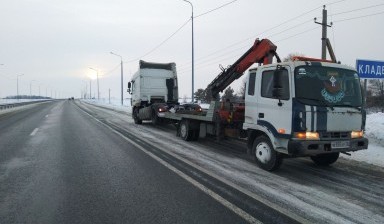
(300, 108)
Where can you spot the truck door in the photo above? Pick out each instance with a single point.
(273, 114)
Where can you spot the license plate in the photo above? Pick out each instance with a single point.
(339, 144)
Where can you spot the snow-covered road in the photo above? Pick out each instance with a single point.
(347, 192)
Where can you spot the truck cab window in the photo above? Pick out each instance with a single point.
(251, 83)
(267, 84)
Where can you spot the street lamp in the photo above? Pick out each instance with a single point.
(193, 55)
(30, 88)
(97, 76)
(121, 63)
(17, 78)
(39, 90)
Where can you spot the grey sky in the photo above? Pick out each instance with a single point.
(55, 42)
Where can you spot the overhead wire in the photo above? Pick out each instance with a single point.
(274, 27)
(265, 31)
(358, 17)
(159, 45)
(174, 33)
(212, 10)
(355, 10)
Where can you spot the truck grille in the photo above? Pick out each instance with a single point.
(334, 135)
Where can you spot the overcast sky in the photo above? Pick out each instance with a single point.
(54, 42)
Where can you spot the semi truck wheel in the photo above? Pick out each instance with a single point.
(265, 156)
(185, 133)
(135, 116)
(325, 159)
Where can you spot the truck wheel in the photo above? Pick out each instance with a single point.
(155, 118)
(265, 156)
(135, 117)
(325, 159)
(185, 133)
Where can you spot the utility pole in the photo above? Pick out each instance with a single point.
(193, 53)
(121, 72)
(325, 43)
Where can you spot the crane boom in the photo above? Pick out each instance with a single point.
(261, 52)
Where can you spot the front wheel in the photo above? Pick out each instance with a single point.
(325, 159)
(265, 156)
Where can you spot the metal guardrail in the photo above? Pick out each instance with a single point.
(13, 105)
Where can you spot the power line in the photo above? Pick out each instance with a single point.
(159, 45)
(212, 10)
(359, 9)
(358, 17)
(247, 44)
(267, 30)
(306, 31)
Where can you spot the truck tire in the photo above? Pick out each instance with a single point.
(155, 119)
(135, 117)
(185, 133)
(265, 155)
(325, 159)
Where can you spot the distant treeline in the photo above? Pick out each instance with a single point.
(27, 97)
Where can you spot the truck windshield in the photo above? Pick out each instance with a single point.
(327, 86)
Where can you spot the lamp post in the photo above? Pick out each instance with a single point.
(97, 76)
(193, 55)
(17, 80)
(121, 65)
(30, 88)
(39, 90)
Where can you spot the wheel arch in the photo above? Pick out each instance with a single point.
(253, 134)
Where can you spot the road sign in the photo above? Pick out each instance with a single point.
(370, 69)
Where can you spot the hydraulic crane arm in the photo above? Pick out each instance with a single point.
(261, 52)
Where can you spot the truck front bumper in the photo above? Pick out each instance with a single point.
(313, 147)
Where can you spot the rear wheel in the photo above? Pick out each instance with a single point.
(265, 156)
(185, 133)
(135, 116)
(325, 159)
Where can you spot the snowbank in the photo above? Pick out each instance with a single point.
(375, 134)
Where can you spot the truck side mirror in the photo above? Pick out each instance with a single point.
(129, 88)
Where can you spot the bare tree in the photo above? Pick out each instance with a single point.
(290, 56)
(241, 92)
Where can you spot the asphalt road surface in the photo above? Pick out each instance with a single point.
(60, 165)
(71, 162)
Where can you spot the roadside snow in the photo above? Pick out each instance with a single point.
(374, 132)
(8, 101)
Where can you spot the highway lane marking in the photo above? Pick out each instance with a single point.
(243, 190)
(243, 214)
(34, 132)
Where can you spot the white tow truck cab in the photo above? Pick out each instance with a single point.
(303, 108)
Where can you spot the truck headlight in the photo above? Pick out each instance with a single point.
(357, 134)
(307, 135)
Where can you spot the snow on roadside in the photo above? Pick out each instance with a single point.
(374, 132)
